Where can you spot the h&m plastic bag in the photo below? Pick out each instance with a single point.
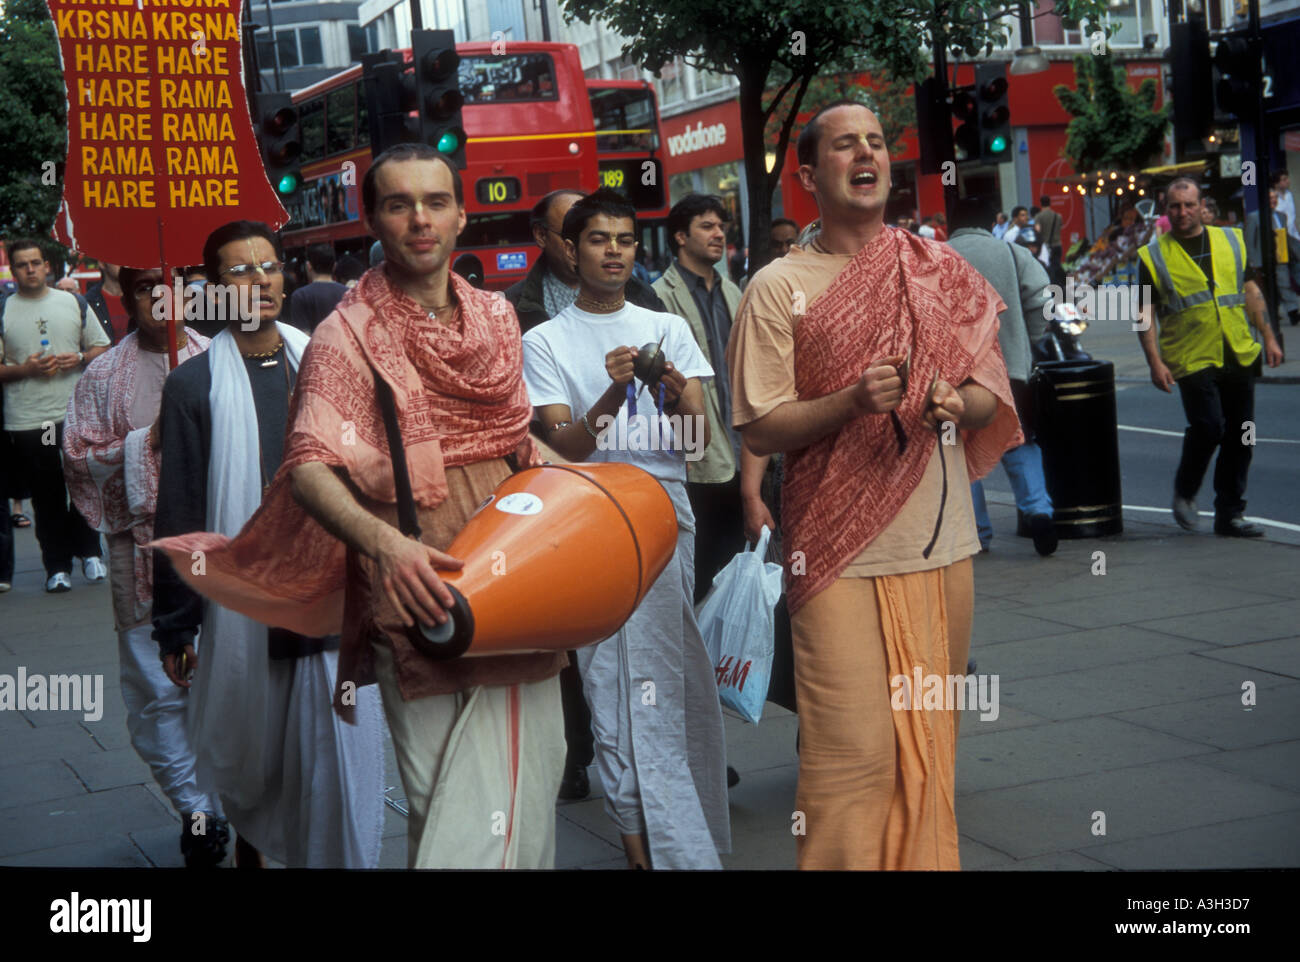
(738, 625)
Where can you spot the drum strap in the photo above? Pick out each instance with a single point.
(407, 520)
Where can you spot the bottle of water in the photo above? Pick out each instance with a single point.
(45, 347)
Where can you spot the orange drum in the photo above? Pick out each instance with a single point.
(558, 558)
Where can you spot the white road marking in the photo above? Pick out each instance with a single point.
(1179, 434)
(1285, 525)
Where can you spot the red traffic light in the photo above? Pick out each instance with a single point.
(280, 121)
(994, 89)
(440, 64)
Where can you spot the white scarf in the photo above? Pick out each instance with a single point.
(231, 697)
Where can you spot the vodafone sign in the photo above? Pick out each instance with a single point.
(702, 138)
(697, 138)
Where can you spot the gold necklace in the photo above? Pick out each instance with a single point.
(266, 357)
(596, 306)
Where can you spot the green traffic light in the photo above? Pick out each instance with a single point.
(997, 144)
(448, 143)
(288, 184)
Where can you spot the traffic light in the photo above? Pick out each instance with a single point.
(438, 96)
(966, 138)
(279, 135)
(994, 113)
(390, 99)
(1193, 94)
(1238, 60)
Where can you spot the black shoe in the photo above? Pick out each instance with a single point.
(1044, 532)
(575, 786)
(1238, 527)
(733, 777)
(208, 849)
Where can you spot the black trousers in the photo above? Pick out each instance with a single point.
(1217, 400)
(580, 745)
(61, 531)
(719, 529)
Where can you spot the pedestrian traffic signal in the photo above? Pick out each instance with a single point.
(1238, 60)
(966, 138)
(438, 96)
(994, 113)
(1192, 90)
(933, 128)
(280, 138)
(390, 90)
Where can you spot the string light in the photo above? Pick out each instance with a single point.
(1100, 182)
(1113, 175)
(1118, 191)
(1141, 193)
(1065, 189)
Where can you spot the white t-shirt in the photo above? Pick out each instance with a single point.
(564, 363)
(55, 316)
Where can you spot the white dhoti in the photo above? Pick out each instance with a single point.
(481, 769)
(297, 782)
(657, 724)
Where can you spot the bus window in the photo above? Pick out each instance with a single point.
(506, 229)
(340, 130)
(311, 118)
(510, 78)
(363, 119)
(629, 111)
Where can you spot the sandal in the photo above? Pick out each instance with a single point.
(20, 520)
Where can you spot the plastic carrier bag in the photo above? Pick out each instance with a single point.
(737, 623)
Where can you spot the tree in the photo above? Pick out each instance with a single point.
(1112, 125)
(785, 45)
(888, 97)
(33, 116)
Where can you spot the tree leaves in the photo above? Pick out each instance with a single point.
(33, 116)
(1112, 125)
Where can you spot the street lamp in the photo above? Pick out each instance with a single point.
(1029, 59)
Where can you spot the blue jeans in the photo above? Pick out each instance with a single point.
(1024, 467)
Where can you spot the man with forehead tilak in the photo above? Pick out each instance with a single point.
(870, 357)
(479, 741)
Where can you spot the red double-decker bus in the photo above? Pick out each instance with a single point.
(529, 131)
(626, 115)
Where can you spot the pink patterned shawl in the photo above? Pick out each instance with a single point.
(111, 470)
(460, 398)
(843, 490)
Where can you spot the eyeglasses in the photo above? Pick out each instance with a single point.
(269, 268)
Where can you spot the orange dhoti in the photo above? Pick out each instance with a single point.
(876, 785)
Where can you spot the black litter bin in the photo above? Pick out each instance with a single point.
(1078, 433)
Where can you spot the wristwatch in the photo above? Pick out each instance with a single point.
(81, 357)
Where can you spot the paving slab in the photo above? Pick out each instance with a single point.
(37, 781)
(1268, 841)
(1113, 688)
(162, 846)
(104, 851)
(1234, 627)
(1153, 799)
(1062, 749)
(111, 769)
(1224, 722)
(79, 818)
(575, 846)
(1281, 657)
(1138, 606)
(1076, 649)
(1277, 764)
(64, 740)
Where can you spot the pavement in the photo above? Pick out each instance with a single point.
(1148, 716)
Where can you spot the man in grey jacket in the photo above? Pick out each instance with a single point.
(1022, 283)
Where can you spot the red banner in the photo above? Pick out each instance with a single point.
(161, 149)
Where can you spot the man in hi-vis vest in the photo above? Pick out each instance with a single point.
(1196, 276)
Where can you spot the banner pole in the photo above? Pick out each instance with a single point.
(172, 353)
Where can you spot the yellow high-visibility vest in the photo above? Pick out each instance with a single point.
(1195, 321)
